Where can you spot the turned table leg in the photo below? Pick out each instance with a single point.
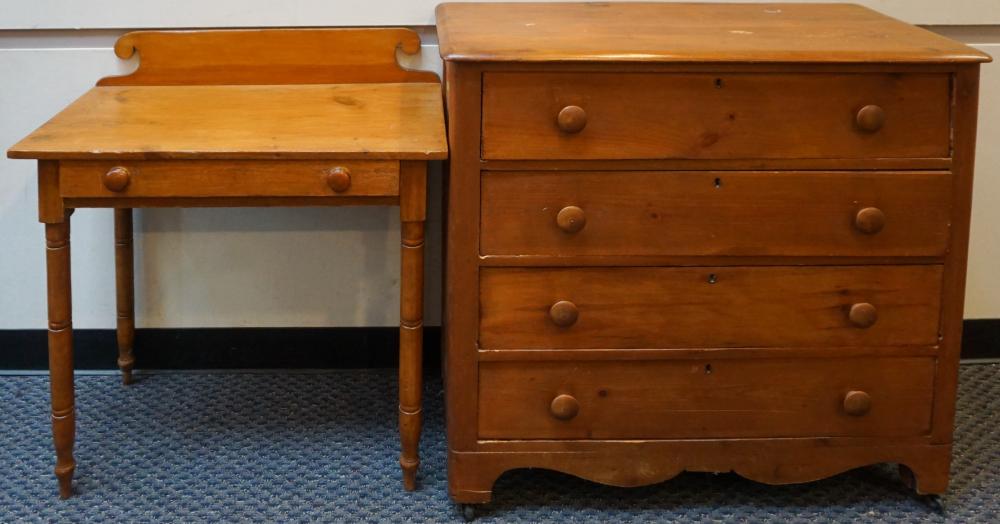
(61, 351)
(412, 205)
(125, 292)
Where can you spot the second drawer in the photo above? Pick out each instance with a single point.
(695, 307)
(720, 213)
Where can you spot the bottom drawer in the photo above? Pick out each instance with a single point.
(723, 398)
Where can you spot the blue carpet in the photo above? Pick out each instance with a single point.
(288, 447)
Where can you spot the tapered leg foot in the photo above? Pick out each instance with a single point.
(409, 475)
(126, 368)
(65, 476)
(125, 292)
(409, 458)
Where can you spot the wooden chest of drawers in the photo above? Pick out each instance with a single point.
(681, 237)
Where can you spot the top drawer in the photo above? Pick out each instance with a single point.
(614, 116)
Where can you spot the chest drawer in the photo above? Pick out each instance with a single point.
(573, 116)
(694, 307)
(228, 178)
(705, 399)
(721, 213)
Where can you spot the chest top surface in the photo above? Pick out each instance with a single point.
(683, 32)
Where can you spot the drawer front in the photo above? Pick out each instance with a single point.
(720, 213)
(715, 116)
(722, 398)
(694, 307)
(228, 178)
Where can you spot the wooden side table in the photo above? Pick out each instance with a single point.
(280, 117)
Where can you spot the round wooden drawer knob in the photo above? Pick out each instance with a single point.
(116, 179)
(863, 315)
(564, 407)
(572, 119)
(338, 178)
(857, 403)
(571, 219)
(870, 220)
(871, 118)
(563, 313)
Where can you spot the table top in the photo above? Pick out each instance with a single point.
(687, 32)
(312, 121)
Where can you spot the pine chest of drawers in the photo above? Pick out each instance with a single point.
(686, 237)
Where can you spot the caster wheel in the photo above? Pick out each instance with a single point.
(468, 512)
(934, 503)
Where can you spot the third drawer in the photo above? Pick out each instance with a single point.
(715, 213)
(696, 307)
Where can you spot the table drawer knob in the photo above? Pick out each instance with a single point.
(863, 315)
(870, 220)
(564, 407)
(116, 179)
(338, 178)
(870, 118)
(857, 403)
(563, 313)
(571, 219)
(572, 119)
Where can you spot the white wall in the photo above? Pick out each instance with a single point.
(293, 267)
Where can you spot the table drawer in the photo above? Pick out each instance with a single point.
(715, 116)
(720, 398)
(228, 178)
(721, 213)
(693, 307)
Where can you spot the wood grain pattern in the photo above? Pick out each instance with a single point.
(236, 178)
(705, 398)
(714, 213)
(708, 306)
(331, 121)
(631, 32)
(268, 56)
(714, 116)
